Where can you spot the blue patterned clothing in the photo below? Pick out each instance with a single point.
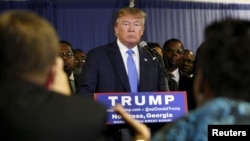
(194, 127)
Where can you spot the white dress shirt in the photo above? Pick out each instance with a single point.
(123, 49)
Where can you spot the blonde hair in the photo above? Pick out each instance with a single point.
(138, 13)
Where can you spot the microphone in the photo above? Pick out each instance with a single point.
(151, 52)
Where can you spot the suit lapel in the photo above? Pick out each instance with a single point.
(118, 65)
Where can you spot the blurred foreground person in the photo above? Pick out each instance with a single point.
(35, 101)
(221, 80)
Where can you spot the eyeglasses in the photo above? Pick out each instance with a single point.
(67, 54)
(80, 61)
(178, 51)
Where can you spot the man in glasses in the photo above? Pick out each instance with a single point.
(80, 57)
(174, 49)
(66, 52)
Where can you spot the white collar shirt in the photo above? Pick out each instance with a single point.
(123, 50)
(71, 77)
(176, 75)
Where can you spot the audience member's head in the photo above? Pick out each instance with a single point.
(18, 54)
(129, 26)
(156, 47)
(66, 52)
(29, 48)
(22, 47)
(223, 61)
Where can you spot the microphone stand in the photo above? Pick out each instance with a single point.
(162, 64)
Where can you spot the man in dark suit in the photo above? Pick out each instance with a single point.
(106, 68)
(35, 101)
(69, 61)
(174, 49)
(104, 71)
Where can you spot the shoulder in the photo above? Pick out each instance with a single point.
(79, 105)
(194, 125)
(189, 127)
(78, 113)
(103, 48)
(88, 102)
(184, 78)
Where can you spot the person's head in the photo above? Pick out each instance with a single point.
(222, 68)
(80, 57)
(66, 52)
(129, 26)
(187, 63)
(156, 47)
(29, 46)
(174, 52)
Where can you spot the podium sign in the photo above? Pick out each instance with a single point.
(147, 107)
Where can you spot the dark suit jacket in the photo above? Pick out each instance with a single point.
(104, 71)
(31, 113)
(186, 84)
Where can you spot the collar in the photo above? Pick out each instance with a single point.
(71, 77)
(176, 72)
(123, 48)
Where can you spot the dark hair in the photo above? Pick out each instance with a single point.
(129, 11)
(166, 44)
(66, 42)
(188, 50)
(224, 58)
(153, 45)
(78, 50)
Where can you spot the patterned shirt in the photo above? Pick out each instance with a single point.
(194, 127)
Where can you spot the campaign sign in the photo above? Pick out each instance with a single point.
(147, 107)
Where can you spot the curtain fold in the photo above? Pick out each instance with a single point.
(89, 23)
